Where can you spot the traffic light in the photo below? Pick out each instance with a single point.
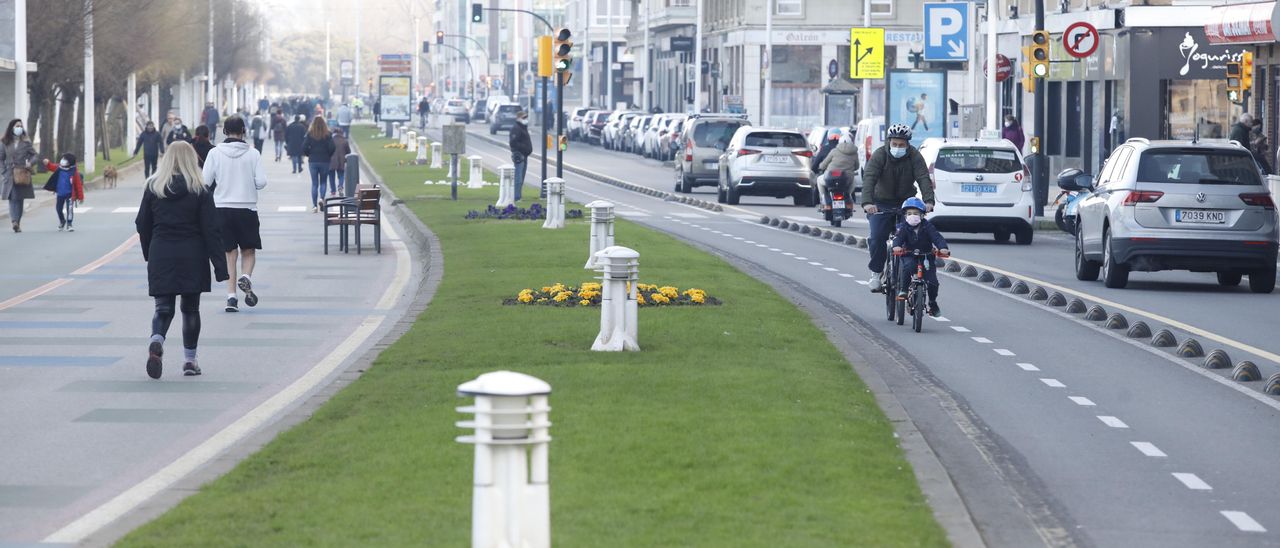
(1039, 54)
(1246, 72)
(544, 57)
(1028, 74)
(563, 47)
(439, 37)
(1235, 91)
(426, 46)
(477, 13)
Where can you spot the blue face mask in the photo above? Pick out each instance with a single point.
(898, 152)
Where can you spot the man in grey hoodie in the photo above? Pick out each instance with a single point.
(234, 171)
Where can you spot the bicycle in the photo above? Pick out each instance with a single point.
(917, 289)
(889, 274)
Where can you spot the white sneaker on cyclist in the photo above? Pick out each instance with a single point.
(875, 283)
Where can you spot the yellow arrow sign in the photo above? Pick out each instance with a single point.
(866, 53)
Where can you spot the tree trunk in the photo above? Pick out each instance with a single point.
(66, 121)
(47, 143)
(104, 130)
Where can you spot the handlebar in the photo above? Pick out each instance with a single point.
(918, 253)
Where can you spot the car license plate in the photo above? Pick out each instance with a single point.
(980, 189)
(775, 159)
(1200, 216)
(711, 164)
(838, 204)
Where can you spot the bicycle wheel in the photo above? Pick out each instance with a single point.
(917, 309)
(891, 292)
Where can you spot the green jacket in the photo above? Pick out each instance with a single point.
(893, 180)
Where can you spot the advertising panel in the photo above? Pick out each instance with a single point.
(917, 98)
(347, 72)
(394, 91)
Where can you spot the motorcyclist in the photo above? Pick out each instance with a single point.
(845, 159)
(824, 149)
(892, 175)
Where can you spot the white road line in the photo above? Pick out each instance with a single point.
(625, 213)
(704, 228)
(798, 258)
(1003, 351)
(746, 217)
(959, 329)
(787, 253)
(694, 215)
(292, 209)
(1053, 383)
(815, 263)
(1243, 522)
(129, 209)
(1112, 421)
(829, 269)
(773, 248)
(761, 245)
(716, 232)
(981, 340)
(941, 319)
(739, 238)
(749, 241)
(1082, 401)
(861, 282)
(1149, 449)
(1192, 481)
(80, 210)
(1028, 367)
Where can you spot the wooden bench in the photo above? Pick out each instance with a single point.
(365, 208)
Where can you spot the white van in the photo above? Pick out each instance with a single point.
(869, 136)
(980, 185)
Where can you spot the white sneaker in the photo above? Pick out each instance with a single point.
(875, 283)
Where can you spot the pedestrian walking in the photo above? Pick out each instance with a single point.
(178, 228)
(258, 129)
(66, 184)
(263, 104)
(1240, 129)
(1260, 147)
(278, 126)
(294, 137)
(1012, 132)
(209, 118)
(15, 183)
(377, 109)
(521, 148)
(235, 173)
(201, 144)
(318, 146)
(424, 110)
(177, 132)
(344, 119)
(338, 162)
(152, 146)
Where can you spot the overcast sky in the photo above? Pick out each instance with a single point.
(385, 23)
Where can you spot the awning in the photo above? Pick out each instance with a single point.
(1243, 24)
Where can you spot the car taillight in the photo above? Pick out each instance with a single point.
(1142, 197)
(1262, 199)
(867, 149)
(746, 151)
(688, 151)
(803, 152)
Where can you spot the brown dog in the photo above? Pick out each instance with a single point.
(109, 177)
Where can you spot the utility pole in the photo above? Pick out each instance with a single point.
(697, 61)
(644, 80)
(328, 63)
(90, 150)
(1040, 177)
(131, 112)
(358, 18)
(608, 54)
(865, 99)
(586, 59)
(20, 58)
(993, 120)
(212, 82)
(417, 56)
(766, 109)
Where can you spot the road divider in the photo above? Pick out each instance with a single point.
(1190, 348)
(1076, 306)
(1139, 330)
(1246, 371)
(1164, 339)
(1218, 359)
(1096, 313)
(1117, 321)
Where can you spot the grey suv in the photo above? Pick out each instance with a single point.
(1174, 205)
(705, 138)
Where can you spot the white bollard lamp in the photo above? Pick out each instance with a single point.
(506, 186)
(436, 160)
(620, 272)
(602, 217)
(476, 169)
(555, 203)
(422, 151)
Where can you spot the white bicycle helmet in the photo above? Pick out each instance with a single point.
(898, 131)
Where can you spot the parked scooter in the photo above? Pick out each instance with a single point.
(838, 203)
(1076, 185)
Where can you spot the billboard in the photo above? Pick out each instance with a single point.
(394, 91)
(347, 72)
(917, 98)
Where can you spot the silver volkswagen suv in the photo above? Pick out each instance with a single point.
(1177, 205)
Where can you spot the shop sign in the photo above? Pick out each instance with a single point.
(1186, 54)
(681, 43)
(1242, 24)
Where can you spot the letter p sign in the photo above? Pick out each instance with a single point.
(946, 30)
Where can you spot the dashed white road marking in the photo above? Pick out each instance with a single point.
(291, 209)
(815, 263)
(1053, 383)
(716, 232)
(749, 241)
(704, 228)
(1192, 481)
(1028, 367)
(80, 210)
(739, 238)
(1003, 351)
(626, 213)
(941, 319)
(959, 329)
(761, 245)
(127, 209)
(1243, 522)
(692, 215)
(773, 248)
(1112, 421)
(829, 269)
(798, 258)
(1083, 401)
(746, 217)
(1147, 448)
(981, 340)
(861, 282)
(787, 253)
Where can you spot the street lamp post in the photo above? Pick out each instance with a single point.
(20, 58)
(608, 55)
(88, 100)
(767, 107)
(697, 62)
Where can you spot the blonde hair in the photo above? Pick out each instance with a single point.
(179, 159)
(319, 128)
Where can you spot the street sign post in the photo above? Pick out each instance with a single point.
(946, 31)
(866, 58)
(1080, 39)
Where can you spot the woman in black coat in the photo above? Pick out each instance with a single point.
(178, 229)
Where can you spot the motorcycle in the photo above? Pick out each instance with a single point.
(1076, 185)
(838, 203)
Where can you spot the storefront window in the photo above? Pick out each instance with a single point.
(1203, 102)
(797, 86)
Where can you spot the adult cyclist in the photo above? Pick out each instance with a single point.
(891, 176)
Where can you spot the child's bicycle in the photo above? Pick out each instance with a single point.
(917, 290)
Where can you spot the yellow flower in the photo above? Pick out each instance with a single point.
(524, 298)
(659, 298)
(585, 294)
(697, 298)
(546, 289)
(591, 286)
(640, 298)
(557, 288)
(585, 302)
(542, 300)
(563, 296)
(669, 292)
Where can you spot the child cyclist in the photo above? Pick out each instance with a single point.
(916, 233)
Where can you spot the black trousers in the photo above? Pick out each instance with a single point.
(149, 164)
(190, 318)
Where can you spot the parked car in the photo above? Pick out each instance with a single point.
(595, 125)
(1178, 205)
(478, 110)
(634, 134)
(575, 126)
(669, 142)
(649, 141)
(869, 136)
(457, 108)
(704, 138)
(492, 105)
(504, 116)
(765, 162)
(980, 185)
(613, 129)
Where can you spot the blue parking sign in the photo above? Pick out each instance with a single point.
(946, 31)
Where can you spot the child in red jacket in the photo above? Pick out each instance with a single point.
(65, 181)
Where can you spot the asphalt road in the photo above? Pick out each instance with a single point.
(86, 438)
(1053, 429)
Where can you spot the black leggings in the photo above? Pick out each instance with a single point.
(190, 318)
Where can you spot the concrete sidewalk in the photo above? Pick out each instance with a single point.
(87, 436)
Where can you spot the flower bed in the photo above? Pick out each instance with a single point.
(511, 212)
(588, 294)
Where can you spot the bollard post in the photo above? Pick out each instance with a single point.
(601, 230)
(555, 203)
(436, 161)
(620, 272)
(412, 141)
(422, 151)
(511, 484)
(476, 179)
(352, 178)
(506, 186)
(402, 133)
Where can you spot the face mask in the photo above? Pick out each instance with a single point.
(18, 130)
(63, 164)
(522, 120)
(898, 152)
(913, 220)
(1008, 124)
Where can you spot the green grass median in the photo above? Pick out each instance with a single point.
(737, 425)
